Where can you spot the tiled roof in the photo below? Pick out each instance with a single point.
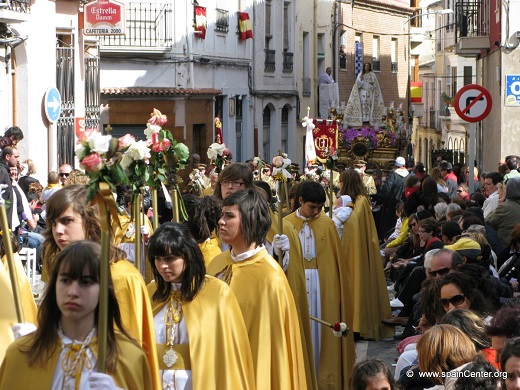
(153, 91)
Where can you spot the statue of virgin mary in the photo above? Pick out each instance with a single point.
(365, 104)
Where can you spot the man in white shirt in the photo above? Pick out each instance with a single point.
(326, 77)
(491, 192)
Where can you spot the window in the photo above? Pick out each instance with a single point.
(285, 128)
(222, 24)
(343, 50)
(286, 27)
(376, 65)
(453, 81)
(266, 133)
(393, 55)
(468, 75)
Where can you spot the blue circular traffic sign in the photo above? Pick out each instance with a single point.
(52, 103)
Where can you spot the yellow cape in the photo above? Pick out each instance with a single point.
(209, 250)
(271, 319)
(7, 307)
(136, 311)
(365, 272)
(132, 370)
(296, 278)
(220, 356)
(337, 355)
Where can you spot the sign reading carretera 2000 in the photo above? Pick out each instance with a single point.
(104, 17)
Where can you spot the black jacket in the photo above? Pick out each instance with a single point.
(5, 178)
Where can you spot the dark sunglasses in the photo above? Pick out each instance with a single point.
(455, 300)
(440, 272)
(65, 174)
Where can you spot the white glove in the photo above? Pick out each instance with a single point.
(145, 231)
(281, 242)
(98, 380)
(285, 262)
(22, 329)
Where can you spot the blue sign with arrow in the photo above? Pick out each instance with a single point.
(52, 104)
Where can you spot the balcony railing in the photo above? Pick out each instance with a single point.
(288, 61)
(270, 63)
(16, 5)
(148, 25)
(468, 20)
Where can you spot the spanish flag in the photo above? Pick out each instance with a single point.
(200, 22)
(416, 92)
(244, 26)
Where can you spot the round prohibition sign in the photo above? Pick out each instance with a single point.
(473, 103)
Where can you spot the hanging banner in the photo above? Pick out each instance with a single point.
(104, 17)
(325, 135)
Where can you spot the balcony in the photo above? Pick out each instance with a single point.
(288, 59)
(148, 29)
(470, 37)
(14, 11)
(270, 63)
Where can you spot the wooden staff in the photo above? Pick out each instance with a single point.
(155, 209)
(286, 188)
(10, 261)
(136, 212)
(280, 223)
(175, 204)
(103, 295)
(331, 188)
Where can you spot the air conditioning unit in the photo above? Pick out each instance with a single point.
(518, 34)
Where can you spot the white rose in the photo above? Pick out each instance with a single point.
(139, 150)
(126, 160)
(215, 150)
(81, 151)
(99, 143)
(151, 129)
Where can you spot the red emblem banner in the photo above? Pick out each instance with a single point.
(325, 135)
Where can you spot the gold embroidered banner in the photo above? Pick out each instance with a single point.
(325, 134)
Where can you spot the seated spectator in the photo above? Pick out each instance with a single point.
(441, 210)
(372, 374)
(507, 214)
(481, 376)
(450, 232)
(444, 348)
(53, 185)
(503, 326)
(25, 178)
(474, 327)
(457, 290)
(510, 362)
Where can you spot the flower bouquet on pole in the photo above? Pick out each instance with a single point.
(99, 156)
(167, 157)
(219, 156)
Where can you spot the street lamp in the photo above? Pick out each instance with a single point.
(407, 22)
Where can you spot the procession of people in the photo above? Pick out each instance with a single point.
(257, 276)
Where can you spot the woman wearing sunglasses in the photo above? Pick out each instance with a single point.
(459, 291)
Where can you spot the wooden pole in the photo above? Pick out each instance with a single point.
(331, 188)
(6, 236)
(137, 235)
(280, 227)
(103, 296)
(175, 204)
(155, 203)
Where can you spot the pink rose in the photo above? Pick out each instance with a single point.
(126, 140)
(161, 146)
(92, 162)
(157, 118)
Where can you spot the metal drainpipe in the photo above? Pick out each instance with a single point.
(190, 52)
(315, 54)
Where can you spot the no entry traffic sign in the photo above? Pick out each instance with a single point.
(473, 103)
